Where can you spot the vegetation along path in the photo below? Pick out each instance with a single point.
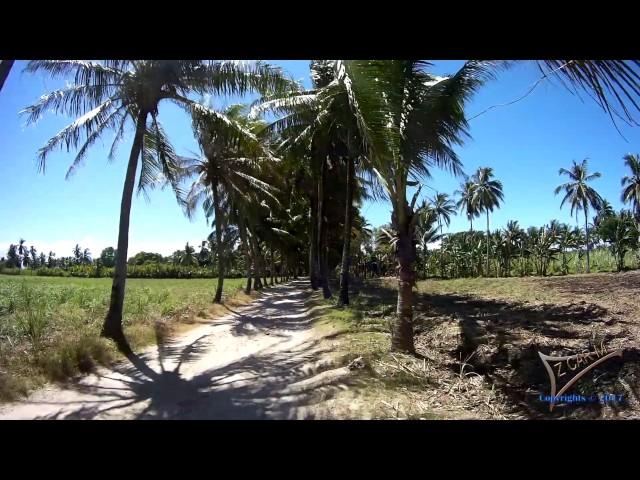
(261, 361)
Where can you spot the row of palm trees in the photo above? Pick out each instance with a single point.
(481, 193)
(531, 251)
(366, 128)
(19, 255)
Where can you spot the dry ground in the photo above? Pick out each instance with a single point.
(478, 341)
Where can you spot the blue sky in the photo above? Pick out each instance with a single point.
(525, 143)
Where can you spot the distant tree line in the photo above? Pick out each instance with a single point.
(185, 263)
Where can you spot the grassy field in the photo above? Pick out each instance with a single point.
(49, 326)
(478, 341)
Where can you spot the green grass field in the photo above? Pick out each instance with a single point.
(49, 326)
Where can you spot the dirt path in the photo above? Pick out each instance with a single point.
(263, 361)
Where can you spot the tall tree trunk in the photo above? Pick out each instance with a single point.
(441, 252)
(346, 243)
(402, 332)
(322, 235)
(324, 267)
(5, 68)
(487, 274)
(586, 233)
(218, 220)
(471, 222)
(242, 229)
(273, 266)
(257, 282)
(313, 244)
(112, 326)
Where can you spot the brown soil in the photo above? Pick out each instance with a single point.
(478, 350)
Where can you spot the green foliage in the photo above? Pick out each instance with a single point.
(621, 233)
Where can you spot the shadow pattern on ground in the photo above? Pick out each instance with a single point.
(270, 384)
(500, 341)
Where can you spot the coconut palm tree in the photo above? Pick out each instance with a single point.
(428, 231)
(227, 170)
(487, 195)
(621, 233)
(512, 236)
(466, 203)
(409, 120)
(51, 260)
(631, 184)
(604, 210)
(187, 256)
(443, 208)
(77, 254)
(34, 256)
(23, 252)
(321, 124)
(580, 194)
(108, 95)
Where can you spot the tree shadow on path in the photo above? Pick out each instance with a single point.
(280, 381)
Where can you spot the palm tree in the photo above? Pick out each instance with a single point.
(34, 256)
(487, 195)
(77, 253)
(443, 208)
(604, 210)
(631, 184)
(51, 260)
(409, 120)
(427, 231)
(187, 256)
(86, 256)
(466, 201)
(512, 237)
(23, 252)
(621, 233)
(581, 195)
(320, 123)
(227, 172)
(107, 95)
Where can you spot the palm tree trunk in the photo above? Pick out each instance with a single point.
(257, 283)
(322, 235)
(402, 332)
(441, 252)
(276, 271)
(346, 242)
(5, 68)
(586, 233)
(112, 327)
(218, 220)
(471, 222)
(261, 271)
(273, 266)
(313, 244)
(242, 229)
(487, 274)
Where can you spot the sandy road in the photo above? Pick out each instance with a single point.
(262, 361)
